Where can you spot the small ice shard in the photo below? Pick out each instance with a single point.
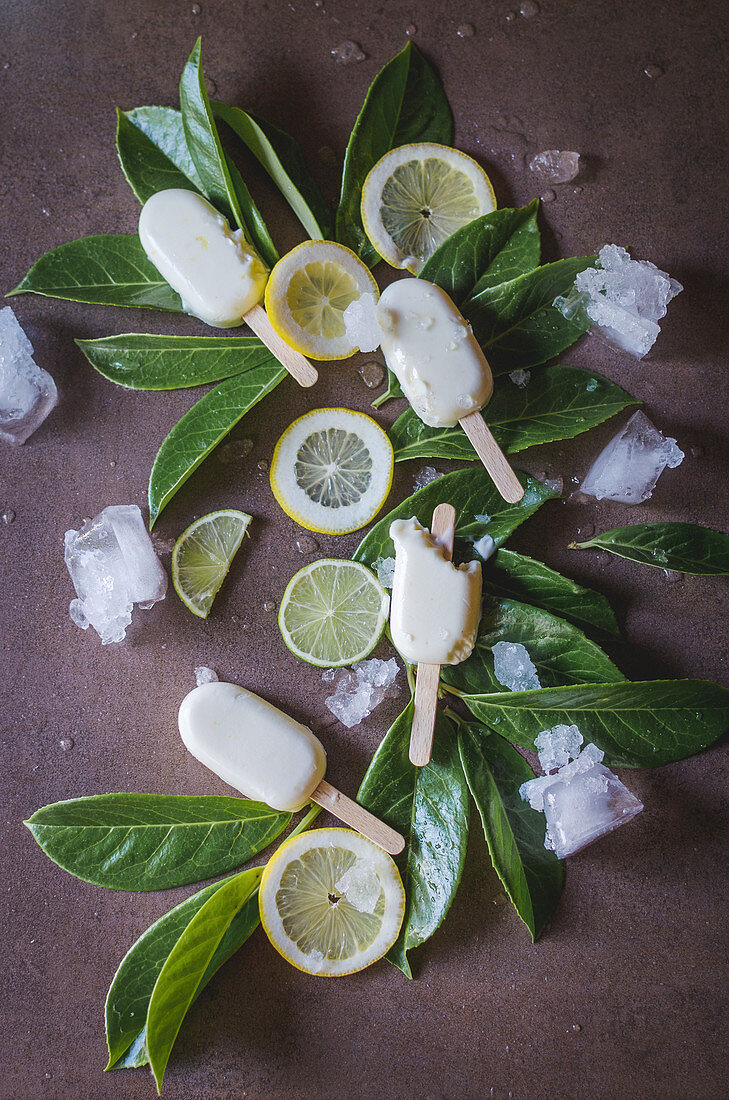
(623, 298)
(513, 667)
(348, 52)
(27, 392)
(555, 166)
(556, 747)
(520, 377)
(385, 571)
(556, 484)
(360, 323)
(582, 802)
(425, 476)
(113, 566)
(628, 469)
(328, 675)
(484, 547)
(360, 689)
(360, 886)
(483, 518)
(205, 675)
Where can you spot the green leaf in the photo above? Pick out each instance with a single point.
(682, 547)
(146, 362)
(152, 151)
(255, 227)
(202, 428)
(522, 578)
(393, 390)
(130, 991)
(405, 103)
(480, 509)
(515, 322)
(560, 651)
(185, 967)
(531, 876)
(153, 841)
(429, 806)
(284, 162)
(106, 270)
(638, 725)
(559, 402)
(492, 249)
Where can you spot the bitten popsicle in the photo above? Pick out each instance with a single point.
(441, 369)
(217, 273)
(268, 756)
(434, 615)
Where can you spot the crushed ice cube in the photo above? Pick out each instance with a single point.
(583, 801)
(385, 571)
(484, 547)
(205, 675)
(361, 886)
(556, 484)
(520, 377)
(555, 166)
(362, 688)
(622, 298)
(425, 476)
(628, 469)
(328, 675)
(513, 667)
(27, 392)
(556, 747)
(361, 324)
(113, 566)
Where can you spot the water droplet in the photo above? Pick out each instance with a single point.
(133, 35)
(348, 52)
(269, 604)
(211, 86)
(196, 9)
(549, 196)
(235, 450)
(510, 16)
(48, 1076)
(696, 450)
(529, 9)
(8, 516)
(500, 900)
(577, 190)
(327, 156)
(372, 373)
(305, 544)
(262, 466)
(410, 30)
(6, 66)
(112, 463)
(653, 71)
(466, 30)
(577, 1027)
(67, 744)
(587, 531)
(671, 576)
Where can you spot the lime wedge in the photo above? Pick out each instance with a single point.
(202, 556)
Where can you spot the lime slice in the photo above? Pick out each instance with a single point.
(417, 195)
(331, 902)
(202, 556)
(333, 613)
(331, 470)
(307, 293)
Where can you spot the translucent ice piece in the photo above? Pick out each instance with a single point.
(513, 667)
(360, 689)
(360, 322)
(555, 166)
(385, 571)
(425, 477)
(204, 675)
(27, 392)
(361, 886)
(556, 747)
(628, 469)
(520, 377)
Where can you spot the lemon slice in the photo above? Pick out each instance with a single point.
(417, 195)
(307, 293)
(331, 470)
(333, 613)
(331, 902)
(202, 556)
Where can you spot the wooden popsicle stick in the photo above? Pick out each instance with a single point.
(443, 529)
(492, 457)
(354, 815)
(296, 364)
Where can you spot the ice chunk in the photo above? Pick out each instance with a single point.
(360, 323)
(513, 667)
(484, 547)
(385, 571)
(205, 675)
(362, 688)
(425, 476)
(329, 675)
(113, 566)
(556, 747)
(360, 886)
(27, 392)
(629, 467)
(582, 802)
(556, 484)
(622, 298)
(520, 378)
(555, 165)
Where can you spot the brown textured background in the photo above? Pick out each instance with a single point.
(625, 995)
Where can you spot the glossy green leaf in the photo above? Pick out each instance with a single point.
(185, 967)
(153, 154)
(559, 402)
(202, 428)
(560, 651)
(490, 250)
(284, 162)
(515, 322)
(153, 841)
(255, 227)
(405, 103)
(147, 362)
(510, 574)
(682, 547)
(106, 270)
(393, 390)
(531, 876)
(429, 806)
(480, 511)
(638, 725)
(130, 991)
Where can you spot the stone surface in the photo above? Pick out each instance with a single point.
(644, 912)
